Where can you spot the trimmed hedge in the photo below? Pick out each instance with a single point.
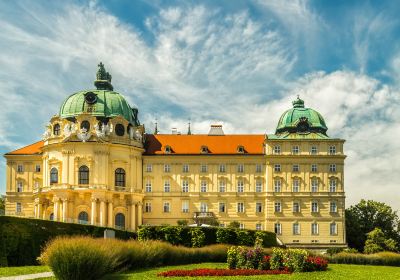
(382, 258)
(202, 236)
(22, 239)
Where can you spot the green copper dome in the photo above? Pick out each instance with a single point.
(301, 120)
(102, 102)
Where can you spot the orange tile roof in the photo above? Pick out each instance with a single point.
(191, 144)
(32, 149)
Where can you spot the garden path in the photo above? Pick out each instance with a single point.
(28, 276)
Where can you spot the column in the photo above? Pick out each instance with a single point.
(94, 211)
(65, 210)
(56, 202)
(140, 211)
(133, 216)
(39, 210)
(35, 212)
(110, 214)
(102, 213)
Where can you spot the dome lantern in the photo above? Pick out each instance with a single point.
(103, 78)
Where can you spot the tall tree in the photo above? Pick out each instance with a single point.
(367, 215)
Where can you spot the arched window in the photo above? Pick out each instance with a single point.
(56, 129)
(86, 125)
(83, 176)
(119, 129)
(83, 217)
(53, 176)
(120, 220)
(51, 217)
(120, 177)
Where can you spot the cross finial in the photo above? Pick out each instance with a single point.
(189, 131)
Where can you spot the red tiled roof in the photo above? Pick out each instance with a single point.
(191, 144)
(32, 149)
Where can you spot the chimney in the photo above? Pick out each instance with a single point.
(174, 131)
(216, 130)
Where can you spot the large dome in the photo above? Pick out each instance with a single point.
(102, 102)
(301, 119)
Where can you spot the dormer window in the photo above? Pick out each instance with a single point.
(56, 129)
(240, 149)
(168, 149)
(204, 150)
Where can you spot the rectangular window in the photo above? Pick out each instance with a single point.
(295, 168)
(19, 187)
(185, 186)
(18, 207)
(313, 150)
(314, 207)
(221, 185)
(147, 207)
(167, 168)
(277, 149)
(333, 229)
(258, 168)
(333, 207)
(185, 206)
(277, 168)
(203, 207)
(222, 207)
(295, 150)
(277, 185)
(296, 185)
(149, 167)
(278, 206)
(20, 168)
(203, 186)
(258, 227)
(296, 229)
(332, 167)
(314, 168)
(167, 207)
(203, 168)
(185, 168)
(167, 186)
(314, 185)
(258, 186)
(314, 228)
(37, 168)
(296, 207)
(241, 226)
(222, 168)
(332, 185)
(278, 228)
(240, 186)
(258, 207)
(148, 186)
(240, 168)
(240, 207)
(332, 150)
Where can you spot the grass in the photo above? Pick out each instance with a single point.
(20, 270)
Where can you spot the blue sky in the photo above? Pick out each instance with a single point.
(238, 63)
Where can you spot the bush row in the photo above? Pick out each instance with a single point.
(88, 258)
(293, 260)
(21, 239)
(383, 258)
(202, 236)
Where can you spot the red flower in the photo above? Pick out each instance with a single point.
(219, 272)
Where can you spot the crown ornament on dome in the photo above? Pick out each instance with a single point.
(298, 103)
(103, 78)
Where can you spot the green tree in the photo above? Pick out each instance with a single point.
(378, 242)
(367, 215)
(182, 223)
(234, 224)
(2, 205)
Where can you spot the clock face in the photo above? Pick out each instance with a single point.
(90, 98)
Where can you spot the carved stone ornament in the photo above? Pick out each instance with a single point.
(83, 135)
(47, 133)
(102, 130)
(138, 135)
(69, 129)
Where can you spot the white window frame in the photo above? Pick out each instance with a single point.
(296, 207)
(221, 206)
(149, 167)
(278, 207)
(314, 185)
(258, 226)
(295, 168)
(258, 168)
(259, 207)
(20, 186)
(203, 168)
(278, 228)
(333, 230)
(203, 186)
(18, 207)
(314, 229)
(148, 186)
(240, 207)
(277, 150)
(314, 167)
(185, 168)
(277, 168)
(185, 206)
(166, 207)
(203, 207)
(37, 168)
(241, 226)
(185, 186)
(240, 186)
(147, 207)
(222, 186)
(259, 186)
(332, 168)
(296, 185)
(314, 207)
(295, 150)
(277, 185)
(222, 168)
(20, 168)
(240, 168)
(313, 150)
(332, 150)
(296, 229)
(167, 186)
(167, 168)
(333, 207)
(332, 185)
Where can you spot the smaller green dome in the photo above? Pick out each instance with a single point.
(301, 120)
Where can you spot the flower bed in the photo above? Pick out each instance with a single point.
(219, 272)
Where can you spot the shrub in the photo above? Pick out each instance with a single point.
(182, 223)
(334, 250)
(21, 239)
(87, 258)
(253, 258)
(198, 237)
(277, 259)
(268, 238)
(226, 236)
(382, 258)
(232, 257)
(265, 263)
(315, 264)
(245, 237)
(234, 224)
(294, 259)
(378, 242)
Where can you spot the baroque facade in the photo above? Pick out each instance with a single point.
(97, 165)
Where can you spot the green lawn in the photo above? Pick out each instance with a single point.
(335, 271)
(20, 270)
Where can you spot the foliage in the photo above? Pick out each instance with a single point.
(231, 257)
(382, 258)
(234, 224)
(182, 223)
(201, 236)
(89, 258)
(295, 259)
(365, 217)
(2, 204)
(316, 263)
(219, 272)
(277, 259)
(265, 263)
(377, 242)
(22, 239)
